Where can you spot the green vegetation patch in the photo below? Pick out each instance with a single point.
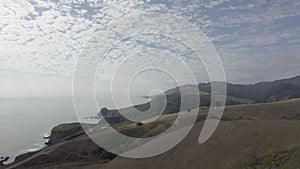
(289, 159)
(145, 129)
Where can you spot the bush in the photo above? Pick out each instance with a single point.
(139, 124)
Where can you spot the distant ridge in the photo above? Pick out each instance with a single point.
(262, 91)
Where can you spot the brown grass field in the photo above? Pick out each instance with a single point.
(252, 136)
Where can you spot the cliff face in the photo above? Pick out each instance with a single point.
(64, 132)
(68, 143)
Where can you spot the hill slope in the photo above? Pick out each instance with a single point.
(173, 105)
(237, 94)
(263, 91)
(248, 135)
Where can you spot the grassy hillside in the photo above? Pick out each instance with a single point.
(236, 94)
(263, 91)
(276, 160)
(173, 105)
(248, 136)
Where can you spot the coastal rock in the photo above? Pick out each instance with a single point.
(3, 160)
(63, 132)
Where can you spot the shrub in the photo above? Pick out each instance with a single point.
(139, 124)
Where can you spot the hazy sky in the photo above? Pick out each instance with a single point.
(40, 41)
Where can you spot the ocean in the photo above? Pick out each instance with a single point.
(25, 121)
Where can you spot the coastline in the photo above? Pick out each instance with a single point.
(62, 135)
(39, 144)
(245, 121)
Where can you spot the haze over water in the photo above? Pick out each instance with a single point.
(25, 121)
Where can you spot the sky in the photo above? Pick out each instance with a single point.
(41, 41)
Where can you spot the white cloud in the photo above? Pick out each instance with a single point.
(41, 44)
(47, 37)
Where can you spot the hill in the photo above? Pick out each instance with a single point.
(236, 94)
(263, 91)
(173, 105)
(249, 136)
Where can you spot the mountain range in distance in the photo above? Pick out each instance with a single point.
(252, 134)
(262, 92)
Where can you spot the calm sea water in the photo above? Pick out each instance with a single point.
(24, 122)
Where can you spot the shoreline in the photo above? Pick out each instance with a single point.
(260, 117)
(38, 145)
(40, 142)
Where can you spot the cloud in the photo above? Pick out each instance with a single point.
(47, 37)
(37, 37)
